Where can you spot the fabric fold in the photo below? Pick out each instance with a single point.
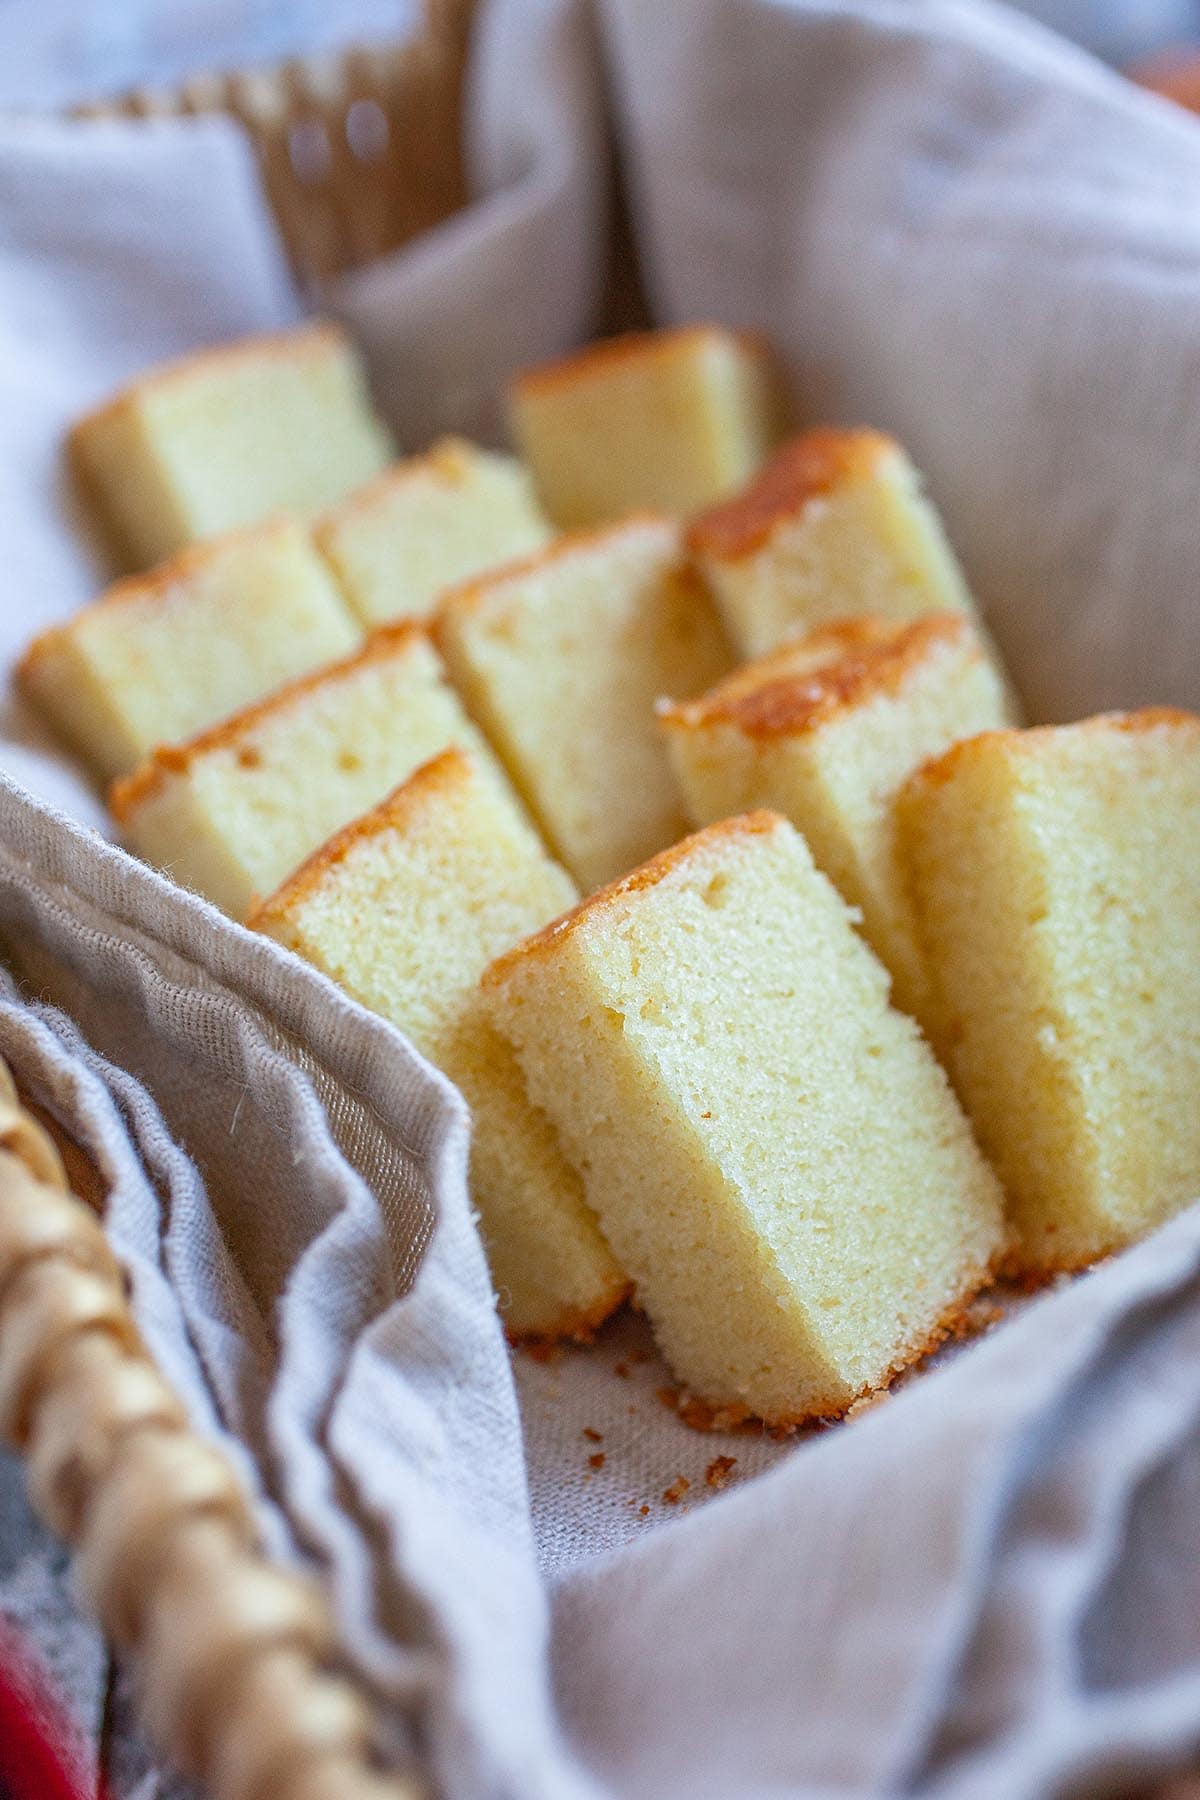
(955, 228)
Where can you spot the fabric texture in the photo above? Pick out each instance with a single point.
(956, 228)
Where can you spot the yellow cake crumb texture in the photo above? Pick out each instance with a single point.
(835, 525)
(428, 523)
(826, 730)
(791, 1247)
(1056, 875)
(161, 656)
(233, 811)
(561, 658)
(228, 435)
(669, 421)
(404, 909)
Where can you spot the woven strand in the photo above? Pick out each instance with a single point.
(231, 1650)
(359, 151)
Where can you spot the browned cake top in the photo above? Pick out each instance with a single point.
(648, 875)
(440, 775)
(816, 462)
(230, 734)
(807, 683)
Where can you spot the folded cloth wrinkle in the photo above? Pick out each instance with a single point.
(954, 227)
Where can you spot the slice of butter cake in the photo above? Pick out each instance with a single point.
(825, 730)
(229, 435)
(427, 523)
(235, 810)
(561, 659)
(773, 1152)
(667, 420)
(836, 524)
(1057, 879)
(163, 655)
(404, 909)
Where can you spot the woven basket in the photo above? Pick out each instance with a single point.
(360, 150)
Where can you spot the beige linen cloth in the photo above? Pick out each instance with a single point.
(956, 228)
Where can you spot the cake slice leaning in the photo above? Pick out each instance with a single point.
(836, 524)
(224, 437)
(231, 812)
(1056, 875)
(773, 1152)
(404, 909)
(561, 658)
(160, 656)
(826, 730)
(669, 420)
(426, 523)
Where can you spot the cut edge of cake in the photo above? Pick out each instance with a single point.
(1033, 1265)
(469, 595)
(957, 1318)
(154, 584)
(129, 791)
(312, 339)
(808, 681)
(444, 771)
(807, 467)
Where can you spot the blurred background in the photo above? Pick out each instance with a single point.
(59, 52)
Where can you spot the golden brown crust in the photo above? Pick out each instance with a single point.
(649, 875)
(318, 338)
(441, 774)
(579, 1325)
(132, 790)
(815, 463)
(469, 596)
(449, 460)
(958, 1319)
(1028, 741)
(631, 346)
(868, 657)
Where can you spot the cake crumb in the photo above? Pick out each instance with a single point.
(596, 1461)
(593, 1437)
(622, 1369)
(866, 1402)
(643, 1511)
(678, 1488)
(718, 1471)
(699, 1415)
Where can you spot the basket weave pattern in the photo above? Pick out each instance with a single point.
(234, 1654)
(360, 151)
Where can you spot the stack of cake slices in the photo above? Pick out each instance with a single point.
(916, 1001)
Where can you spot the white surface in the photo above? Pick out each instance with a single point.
(954, 228)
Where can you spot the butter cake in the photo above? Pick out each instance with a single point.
(163, 655)
(669, 420)
(773, 1152)
(835, 525)
(1057, 879)
(404, 910)
(426, 524)
(825, 730)
(235, 810)
(223, 438)
(561, 659)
